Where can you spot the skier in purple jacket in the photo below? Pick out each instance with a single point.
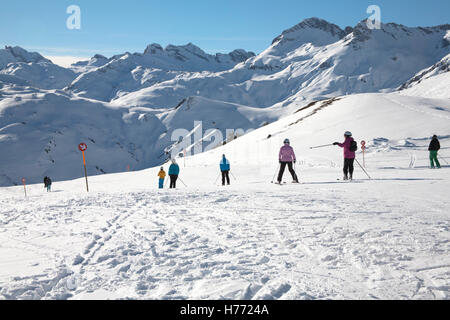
(287, 157)
(349, 155)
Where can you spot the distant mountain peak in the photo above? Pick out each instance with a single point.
(318, 23)
(190, 47)
(153, 48)
(310, 23)
(180, 52)
(99, 56)
(23, 55)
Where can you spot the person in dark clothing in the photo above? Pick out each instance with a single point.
(287, 157)
(48, 183)
(173, 181)
(225, 169)
(434, 147)
(174, 171)
(349, 168)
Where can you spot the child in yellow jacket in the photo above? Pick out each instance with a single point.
(162, 176)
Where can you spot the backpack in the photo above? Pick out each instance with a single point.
(354, 146)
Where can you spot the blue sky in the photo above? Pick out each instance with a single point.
(111, 27)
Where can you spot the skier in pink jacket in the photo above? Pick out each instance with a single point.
(287, 157)
(349, 155)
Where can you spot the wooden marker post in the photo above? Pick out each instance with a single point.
(83, 147)
(24, 186)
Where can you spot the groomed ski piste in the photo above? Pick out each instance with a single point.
(384, 238)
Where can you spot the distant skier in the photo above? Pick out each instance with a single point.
(434, 147)
(162, 176)
(174, 171)
(48, 183)
(349, 154)
(225, 169)
(287, 157)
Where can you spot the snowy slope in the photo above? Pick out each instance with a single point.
(433, 87)
(42, 129)
(387, 238)
(40, 138)
(433, 82)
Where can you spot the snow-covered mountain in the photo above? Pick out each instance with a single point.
(127, 107)
(295, 69)
(44, 127)
(18, 54)
(21, 67)
(130, 72)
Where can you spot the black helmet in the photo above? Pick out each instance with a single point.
(286, 141)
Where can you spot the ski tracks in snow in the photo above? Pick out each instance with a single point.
(303, 243)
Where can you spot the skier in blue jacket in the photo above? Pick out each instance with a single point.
(174, 171)
(225, 169)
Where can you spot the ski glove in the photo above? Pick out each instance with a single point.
(336, 143)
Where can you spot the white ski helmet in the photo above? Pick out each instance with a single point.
(347, 134)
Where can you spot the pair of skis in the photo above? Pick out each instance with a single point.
(282, 183)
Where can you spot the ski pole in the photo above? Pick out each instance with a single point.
(218, 176)
(278, 169)
(326, 145)
(362, 168)
(443, 159)
(182, 182)
(233, 175)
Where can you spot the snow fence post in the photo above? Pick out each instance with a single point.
(24, 187)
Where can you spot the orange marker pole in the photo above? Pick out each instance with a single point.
(83, 147)
(85, 172)
(364, 158)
